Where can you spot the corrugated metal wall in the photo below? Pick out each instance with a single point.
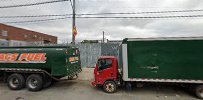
(109, 49)
(90, 52)
(3, 43)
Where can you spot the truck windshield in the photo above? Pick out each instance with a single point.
(104, 64)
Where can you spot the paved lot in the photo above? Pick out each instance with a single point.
(82, 90)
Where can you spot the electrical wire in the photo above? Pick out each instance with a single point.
(147, 17)
(144, 17)
(41, 20)
(33, 16)
(172, 11)
(177, 11)
(32, 4)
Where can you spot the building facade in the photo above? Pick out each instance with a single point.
(13, 36)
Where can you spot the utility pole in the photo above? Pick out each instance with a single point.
(73, 37)
(103, 37)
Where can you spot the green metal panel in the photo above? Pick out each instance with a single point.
(120, 58)
(57, 59)
(75, 65)
(165, 59)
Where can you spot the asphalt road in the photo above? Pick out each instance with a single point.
(82, 90)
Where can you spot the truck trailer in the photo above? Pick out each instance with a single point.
(37, 67)
(177, 60)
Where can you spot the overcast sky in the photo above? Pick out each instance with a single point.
(115, 29)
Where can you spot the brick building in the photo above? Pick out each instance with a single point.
(13, 36)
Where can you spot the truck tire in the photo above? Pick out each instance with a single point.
(110, 87)
(16, 81)
(34, 82)
(199, 91)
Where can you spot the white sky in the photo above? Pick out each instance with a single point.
(115, 29)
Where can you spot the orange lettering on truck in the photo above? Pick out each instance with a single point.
(8, 57)
(23, 58)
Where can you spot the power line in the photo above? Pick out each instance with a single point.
(32, 16)
(172, 11)
(41, 20)
(127, 13)
(144, 17)
(33, 4)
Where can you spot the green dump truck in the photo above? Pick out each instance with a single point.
(158, 60)
(37, 67)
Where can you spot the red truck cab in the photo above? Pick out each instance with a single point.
(106, 73)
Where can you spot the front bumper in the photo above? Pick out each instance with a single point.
(94, 83)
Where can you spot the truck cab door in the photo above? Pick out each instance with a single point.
(105, 70)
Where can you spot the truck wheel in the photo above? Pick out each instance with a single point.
(16, 81)
(34, 82)
(199, 91)
(110, 87)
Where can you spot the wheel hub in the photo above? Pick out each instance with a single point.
(33, 83)
(110, 87)
(14, 82)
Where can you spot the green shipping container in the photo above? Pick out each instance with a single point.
(162, 60)
(59, 61)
